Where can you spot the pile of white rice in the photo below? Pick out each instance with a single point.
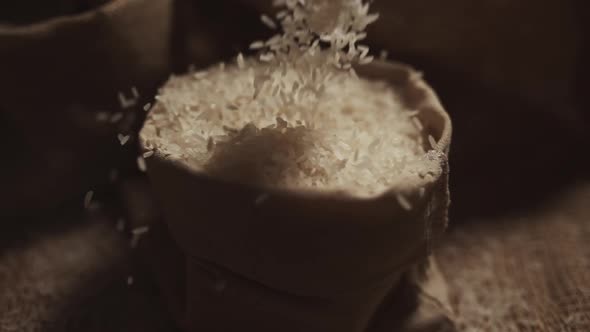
(296, 116)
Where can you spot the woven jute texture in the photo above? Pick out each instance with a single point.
(529, 273)
(46, 271)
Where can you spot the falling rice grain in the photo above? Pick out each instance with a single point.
(102, 116)
(141, 164)
(241, 63)
(403, 202)
(116, 117)
(257, 45)
(126, 103)
(88, 199)
(268, 22)
(136, 234)
(261, 199)
(120, 226)
(140, 230)
(421, 192)
(123, 139)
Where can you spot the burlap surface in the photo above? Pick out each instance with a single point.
(529, 272)
(46, 271)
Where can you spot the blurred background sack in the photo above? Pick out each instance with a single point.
(59, 110)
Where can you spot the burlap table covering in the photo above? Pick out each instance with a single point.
(526, 272)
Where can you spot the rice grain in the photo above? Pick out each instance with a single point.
(268, 22)
(141, 165)
(123, 139)
(88, 199)
(403, 202)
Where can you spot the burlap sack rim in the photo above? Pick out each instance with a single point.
(88, 17)
(218, 241)
(429, 105)
(208, 246)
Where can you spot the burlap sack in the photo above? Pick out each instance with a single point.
(302, 261)
(31, 11)
(58, 75)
